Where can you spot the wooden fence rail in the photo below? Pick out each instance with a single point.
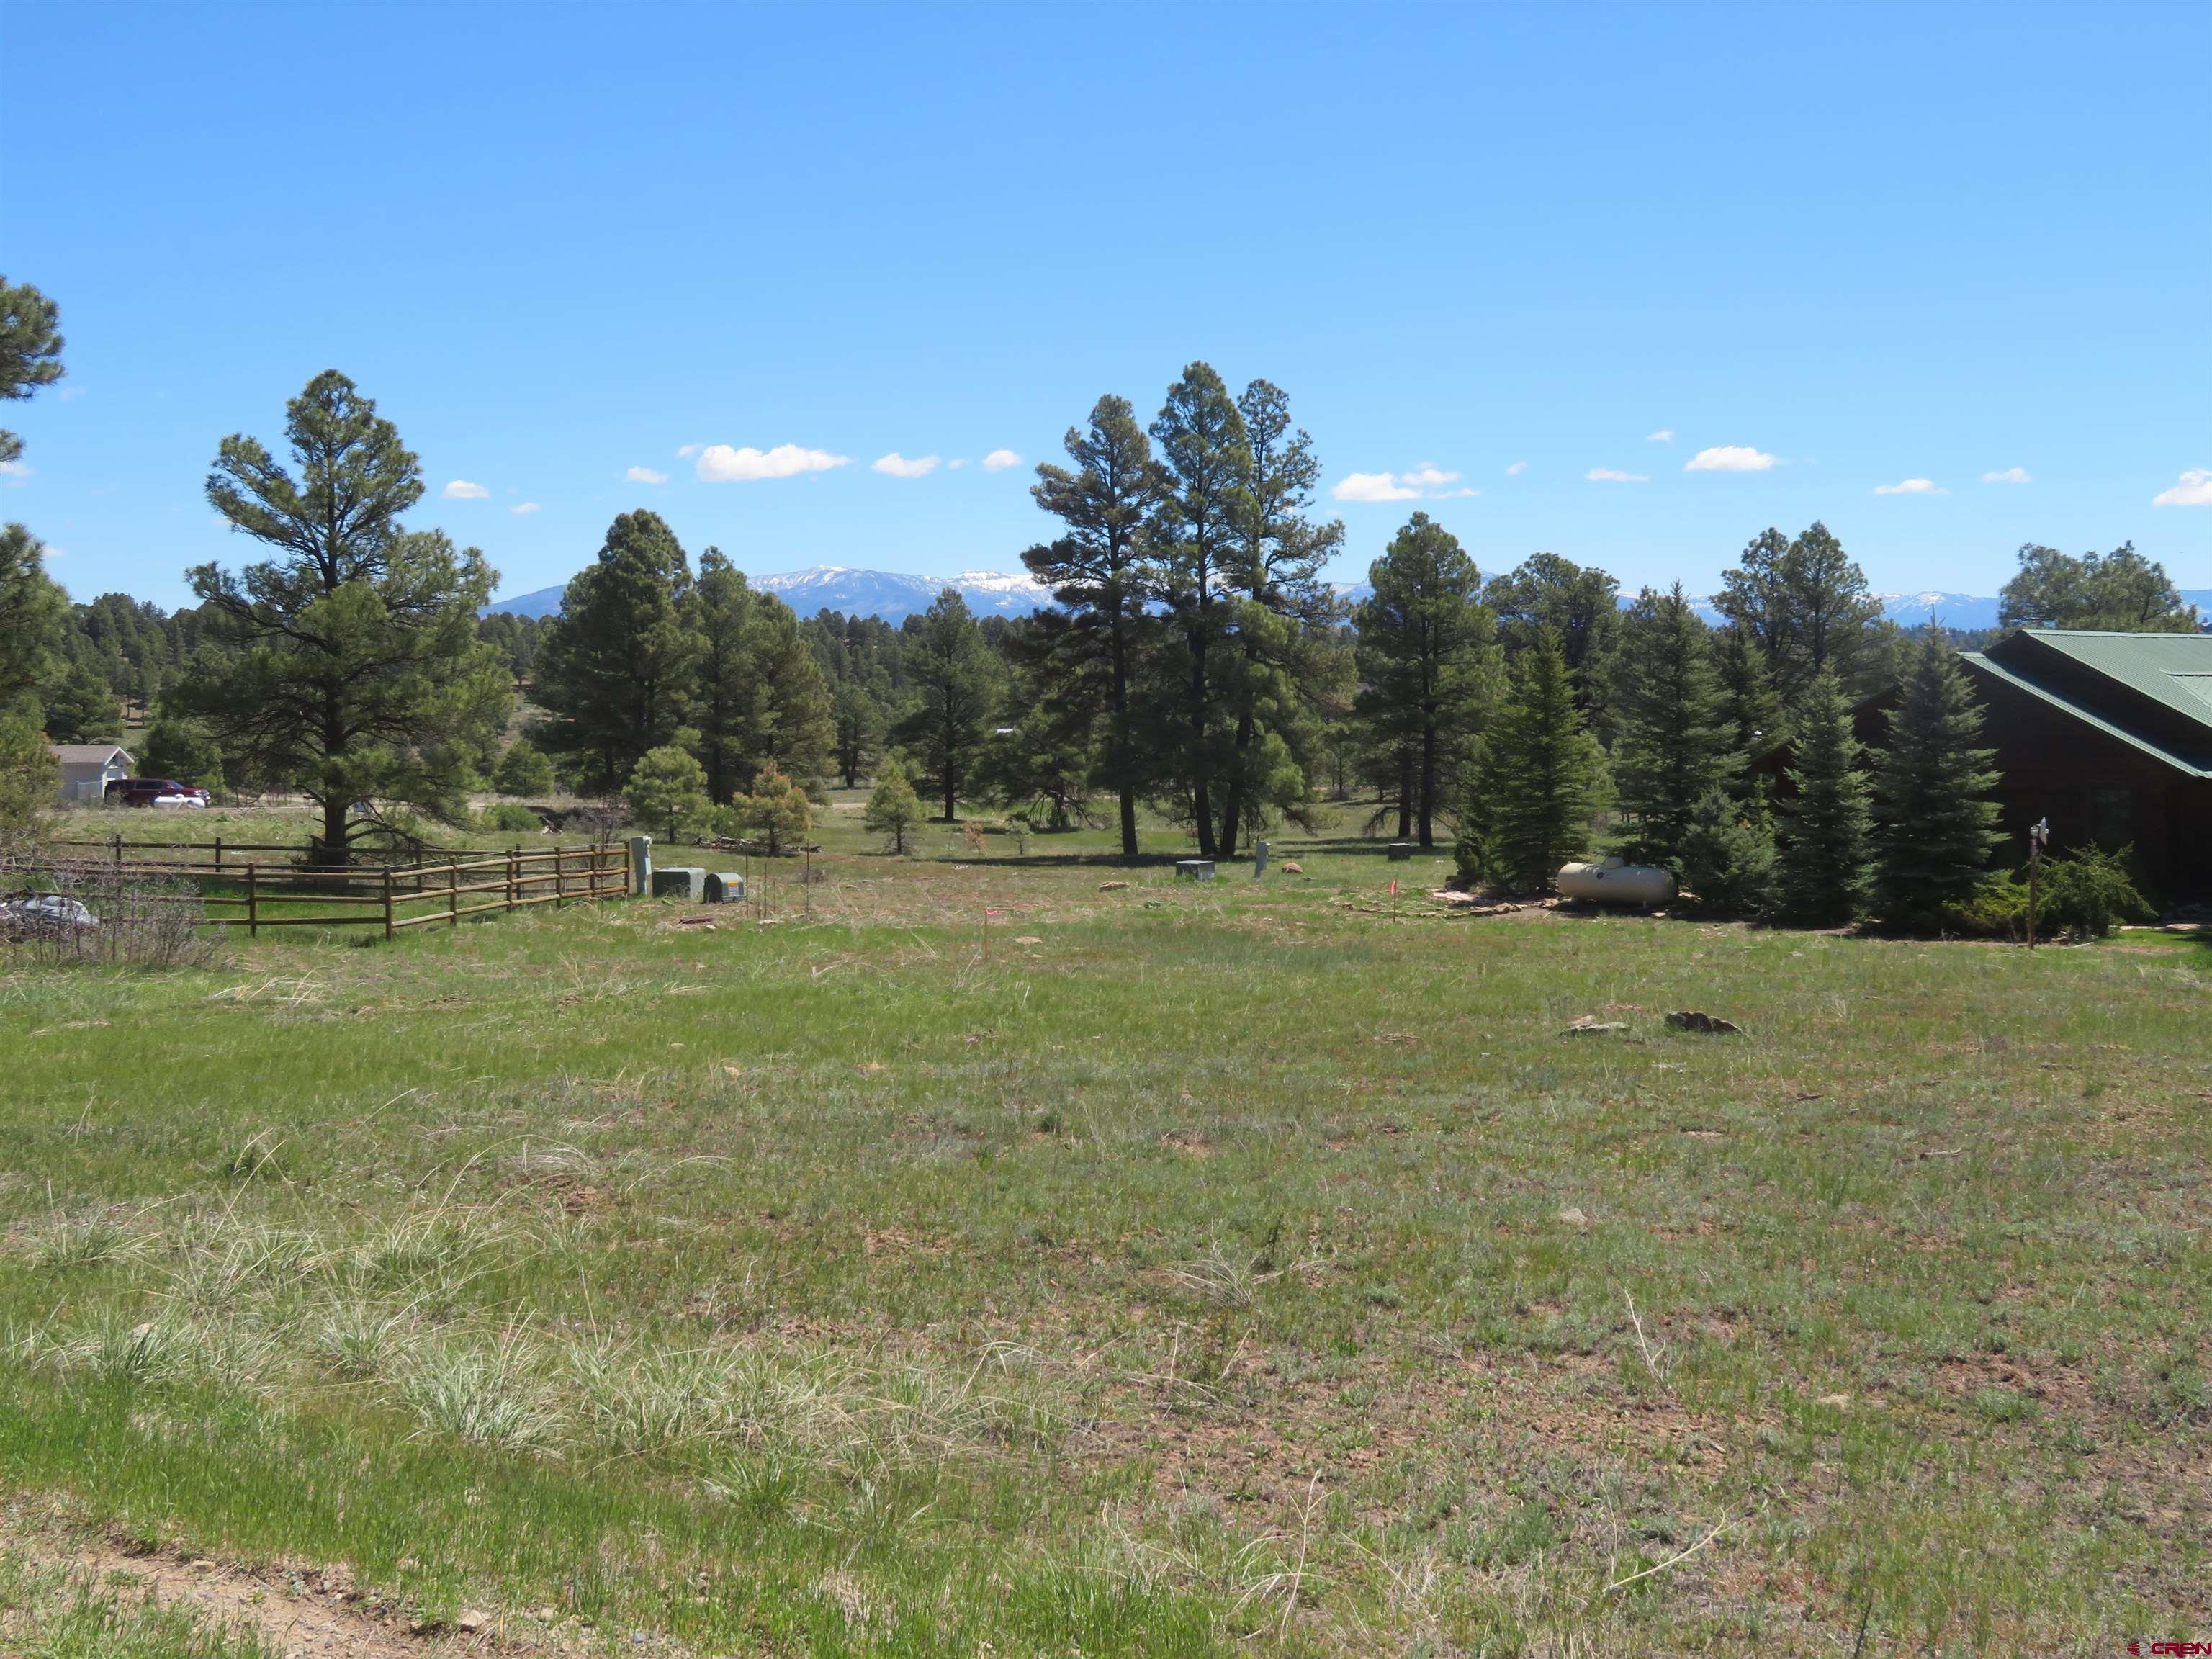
(376, 895)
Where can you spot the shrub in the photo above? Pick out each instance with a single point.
(510, 817)
(777, 809)
(1727, 861)
(667, 786)
(2084, 895)
(523, 770)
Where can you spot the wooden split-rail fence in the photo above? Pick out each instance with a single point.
(254, 895)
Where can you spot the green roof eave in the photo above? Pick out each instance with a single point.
(1996, 671)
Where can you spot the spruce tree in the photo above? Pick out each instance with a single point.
(1824, 859)
(1937, 828)
(1677, 744)
(1535, 775)
(618, 665)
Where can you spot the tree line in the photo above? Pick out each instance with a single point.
(1194, 662)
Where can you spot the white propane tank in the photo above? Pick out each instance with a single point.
(1615, 883)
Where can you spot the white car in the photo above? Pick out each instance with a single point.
(177, 801)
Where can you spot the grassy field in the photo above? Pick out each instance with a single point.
(1205, 1268)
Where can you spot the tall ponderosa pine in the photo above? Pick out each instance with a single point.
(30, 350)
(1203, 446)
(2121, 590)
(727, 687)
(349, 665)
(618, 664)
(951, 673)
(34, 610)
(1097, 576)
(1274, 573)
(1806, 602)
(1827, 819)
(1426, 649)
(791, 725)
(1535, 776)
(1936, 827)
(1577, 603)
(1676, 744)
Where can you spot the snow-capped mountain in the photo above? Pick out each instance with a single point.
(891, 595)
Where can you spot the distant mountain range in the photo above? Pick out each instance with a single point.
(856, 592)
(894, 598)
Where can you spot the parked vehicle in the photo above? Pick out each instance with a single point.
(44, 915)
(154, 792)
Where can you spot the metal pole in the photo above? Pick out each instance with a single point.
(2038, 834)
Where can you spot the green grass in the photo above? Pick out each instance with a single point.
(1234, 1266)
(47, 1613)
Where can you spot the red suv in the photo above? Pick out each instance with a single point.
(146, 791)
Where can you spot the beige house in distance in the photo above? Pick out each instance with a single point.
(89, 768)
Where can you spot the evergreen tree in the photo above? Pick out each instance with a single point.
(1535, 776)
(1758, 721)
(1726, 858)
(1936, 827)
(952, 674)
(857, 719)
(1807, 605)
(1578, 604)
(33, 612)
(349, 666)
(523, 770)
(727, 689)
(1676, 742)
(667, 786)
(180, 748)
(791, 725)
(617, 665)
(775, 809)
(81, 708)
(1824, 859)
(1196, 537)
(1099, 578)
(30, 350)
(2121, 590)
(1273, 570)
(893, 810)
(1425, 649)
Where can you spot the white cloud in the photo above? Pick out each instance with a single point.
(460, 489)
(1516, 469)
(1373, 487)
(50, 551)
(524, 507)
(1665, 435)
(1728, 458)
(1452, 494)
(70, 394)
(644, 475)
(1428, 476)
(720, 463)
(688, 451)
(14, 469)
(2010, 475)
(1000, 459)
(1614, 475)
(900, 467)
(1911, 487)
(957, 463)
(2195, 490)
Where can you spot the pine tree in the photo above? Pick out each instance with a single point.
(1676, 742)
(1805, 602)
(950, 668)
(893, 810)
(1098, 579)
(1825, 859)
(618, 665)
(30, 350)
(775, 809)
(1426, 658)
(1577, 604)
(348, 665)
(667, 785)
(523, 770)
(1203, 446)
(1726, 859)
(1936, 827)
(1758, 721)
(727, 688)
(1535, 775)
(792, 726)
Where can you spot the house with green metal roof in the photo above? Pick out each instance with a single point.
(2109, 736)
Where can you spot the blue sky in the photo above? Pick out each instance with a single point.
(1852, 248)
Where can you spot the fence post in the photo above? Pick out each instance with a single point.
(387, 903)
(119, 849)
(252, 901)
(514, 879)
(560, 885)
(453, 892)
(218, 852)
